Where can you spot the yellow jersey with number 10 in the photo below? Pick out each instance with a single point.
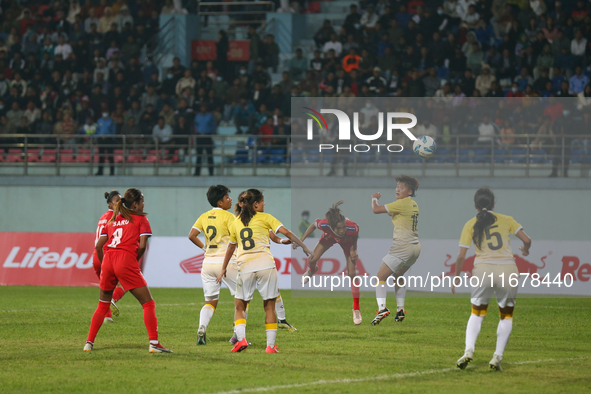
(405, 220)
(215, 224)
(495, 247)
(254, 253)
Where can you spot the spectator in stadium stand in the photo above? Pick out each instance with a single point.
(484, 80)
(222, 49)
(271, 53)
(352, 25)
(324, 33)
(333, 44)
(184, 128)
(298, 65)
(578, 82)
(105, 128)
(375, 81)
(351, 61)
(369, 19)
(266, 131)
(186, 81)
(244, 115)
(162, 132)
(205, 127)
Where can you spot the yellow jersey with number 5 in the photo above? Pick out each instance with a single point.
(405, 220)
(495, 247)
(215, 224)
(253, 252)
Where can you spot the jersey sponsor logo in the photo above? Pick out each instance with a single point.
(192, 265)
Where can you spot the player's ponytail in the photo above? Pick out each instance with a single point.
(484, 199)
(334, 215)
(109, 196)
(123, 206)
(238, 205)
(246, 201)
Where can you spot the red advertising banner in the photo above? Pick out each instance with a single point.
(205, 50)
(47, 259)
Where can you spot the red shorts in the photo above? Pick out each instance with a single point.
(122, 267)
(96, 264)
(329, 240)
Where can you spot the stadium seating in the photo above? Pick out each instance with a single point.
(48, 156)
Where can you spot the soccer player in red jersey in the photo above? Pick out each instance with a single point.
(112, 198)
(336, 229)
(126, 236)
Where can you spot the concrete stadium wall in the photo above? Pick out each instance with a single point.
(548, 210)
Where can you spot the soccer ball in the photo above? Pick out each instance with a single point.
(424, 146)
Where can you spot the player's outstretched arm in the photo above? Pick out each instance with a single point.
(227, 257)
(306, 234)
(142, 248)
(278, 240)
(193, 236)
(459, 264)
(375, 206)
(99, 247)
(526, 242)
(294, 239)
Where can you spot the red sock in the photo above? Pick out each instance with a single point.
(109, 314)
(355, 292)
(118, 294)
(97, 319)
(150, 320)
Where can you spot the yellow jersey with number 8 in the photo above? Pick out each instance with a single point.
(254, 253)
(495, 247)
(215, 224)
(405, 220)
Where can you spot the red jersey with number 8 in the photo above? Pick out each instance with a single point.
(124, 234)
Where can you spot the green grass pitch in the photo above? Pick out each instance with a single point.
(43, 330)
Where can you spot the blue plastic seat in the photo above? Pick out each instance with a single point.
(577, 156)
(500, 155)
(241, 156)
(518, 155)
(481, 156)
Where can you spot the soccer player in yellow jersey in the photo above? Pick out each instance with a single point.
(405, 248)
(490, 233)
(215, 225)
(249, 233)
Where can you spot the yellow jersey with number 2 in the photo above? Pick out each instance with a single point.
(405, 220)
(495, 247)
(215, 224)
(253, 252)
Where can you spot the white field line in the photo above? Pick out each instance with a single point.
(380, 377)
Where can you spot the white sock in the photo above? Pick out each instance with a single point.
(472, 330)
(400, 294)
(279, 308)
(381, 293)
(153, 342)
(271, 334)
(205, 315)
(240, 329)
(503, 334)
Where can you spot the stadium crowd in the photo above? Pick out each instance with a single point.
(87, 68)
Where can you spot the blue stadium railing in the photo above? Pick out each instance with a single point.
(457, 155)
